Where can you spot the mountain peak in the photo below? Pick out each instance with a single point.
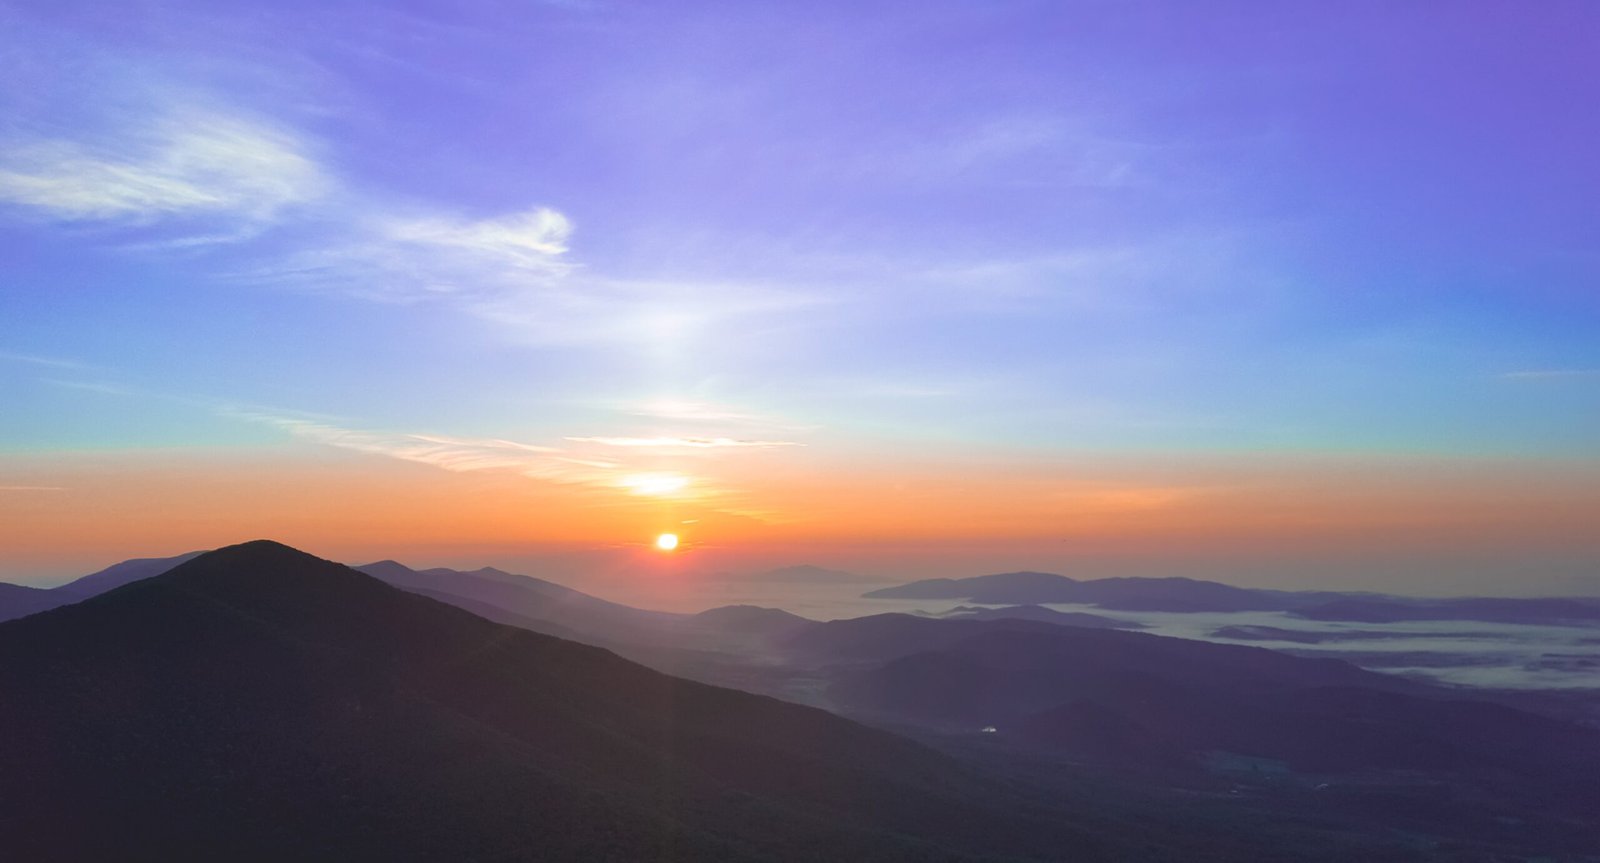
(259, 547)
(261, 572)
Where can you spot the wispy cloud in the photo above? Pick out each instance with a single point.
(568, 465)
(32, 488)
(533, 239)
(164, 164)
(427, 256)
(35, 360)
(447, 453)
(1039, 149)
(712, 420)
(681, 442)
(100, 387)
(694, 412)
(1549, 374)
(514, 271)
(186, 162)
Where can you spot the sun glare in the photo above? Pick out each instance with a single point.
(654, 484)
(667, 541)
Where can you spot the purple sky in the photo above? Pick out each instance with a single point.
(1042, 232)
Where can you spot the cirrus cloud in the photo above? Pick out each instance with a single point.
(682, 442)
(183, 163)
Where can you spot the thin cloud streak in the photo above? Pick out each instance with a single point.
(51, 362)
(682, 442)
(1549, 374)
(184, 163)
(566, 466)
(197, 176)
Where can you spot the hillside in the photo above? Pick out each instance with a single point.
(259, 703)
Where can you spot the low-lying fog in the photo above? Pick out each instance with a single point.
(1496, 655)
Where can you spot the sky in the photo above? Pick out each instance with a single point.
(1289, 294)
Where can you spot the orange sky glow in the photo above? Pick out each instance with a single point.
(64, 515)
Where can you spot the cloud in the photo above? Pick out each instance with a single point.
(100, 387)
(476, 263)
(513, 271)
(565, 465)
(681, 442)
(32, 488)
(186, 163)
(447, 453)
(1033, 149)
(35, 360)
(694, 412)
(169, 164)
(1549, 374)
(531, 239)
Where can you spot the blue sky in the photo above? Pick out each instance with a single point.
(1018, 230)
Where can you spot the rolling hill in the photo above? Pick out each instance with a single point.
(258, 703)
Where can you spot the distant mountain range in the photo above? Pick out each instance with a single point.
(1041, 614)
(550, 607)
(19, 601)
(1179, 594)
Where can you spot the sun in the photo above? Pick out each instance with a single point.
(667, 541)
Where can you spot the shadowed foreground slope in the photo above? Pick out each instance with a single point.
(260, 703)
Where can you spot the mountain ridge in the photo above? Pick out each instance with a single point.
(280, 706)
(1183, 594)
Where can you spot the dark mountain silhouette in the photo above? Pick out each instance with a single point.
(504, 597)
(257, 703)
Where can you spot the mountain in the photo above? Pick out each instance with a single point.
(257, 703)
(1193, 595)
(1127, 594)
(1132, 699)
(118, 574)
(808, 574)
(19, 601)
(750, 619)
(525, 597)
